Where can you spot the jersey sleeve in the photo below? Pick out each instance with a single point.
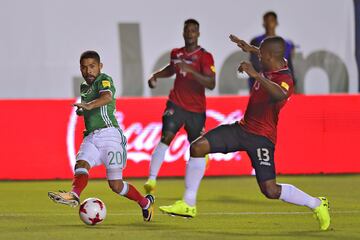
(207, 64)
(106, 85)
(286, 82)
(83, 87)
(173, 58)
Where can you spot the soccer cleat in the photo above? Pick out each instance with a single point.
(321, 213)
(179, 208)
(63, 197)
(149, 186)
(149, 212)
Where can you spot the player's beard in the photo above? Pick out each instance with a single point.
(90, 79)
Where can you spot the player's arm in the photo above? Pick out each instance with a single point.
(165, 72)
(207, 80)
(244, 45)
(79, 111)
(105, 98)
(275, 91)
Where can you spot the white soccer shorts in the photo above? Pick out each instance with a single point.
(105, 146)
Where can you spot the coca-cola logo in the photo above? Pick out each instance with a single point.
(143, 137)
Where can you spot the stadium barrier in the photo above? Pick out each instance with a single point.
(316, 134)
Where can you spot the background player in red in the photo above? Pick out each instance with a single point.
(195, 71)
(255, 134)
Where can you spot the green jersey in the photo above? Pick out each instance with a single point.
(104, 116)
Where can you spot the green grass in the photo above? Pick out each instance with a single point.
(229, 208)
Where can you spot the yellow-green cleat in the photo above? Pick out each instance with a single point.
(179, 208)
(149, 186)
(321, 213)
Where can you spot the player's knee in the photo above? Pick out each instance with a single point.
(82, 164)
(271, 192)
(197, 149)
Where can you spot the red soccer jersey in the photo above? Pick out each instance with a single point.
(261, 115)
(187, 92)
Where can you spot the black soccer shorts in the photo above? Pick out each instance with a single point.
(175, 117)
(232, 138)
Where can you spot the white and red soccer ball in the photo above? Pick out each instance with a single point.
(92, 211)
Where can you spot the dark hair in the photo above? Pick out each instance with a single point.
(191, 21)
(277, 45)
(90, 54)
(270, 13)
(275, 39)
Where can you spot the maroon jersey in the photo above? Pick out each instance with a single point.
(261, 116)
(187, 92)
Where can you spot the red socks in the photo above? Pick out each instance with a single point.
(130, 192)
(80, 180)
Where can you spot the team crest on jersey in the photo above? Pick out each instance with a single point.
(105, 83)
(285, 85)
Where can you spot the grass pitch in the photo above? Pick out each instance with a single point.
(228, 208)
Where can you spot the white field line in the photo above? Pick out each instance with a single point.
(203, 213)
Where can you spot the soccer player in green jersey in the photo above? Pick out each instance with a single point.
(104, 142)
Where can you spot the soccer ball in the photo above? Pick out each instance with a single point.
(92, 211)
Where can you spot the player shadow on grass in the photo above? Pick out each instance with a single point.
(158, 225)
(96, 227)
(255, 234)
(224, 199)
(168, 199)
(114, 226)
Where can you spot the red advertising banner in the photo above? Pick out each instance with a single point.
(316, 134)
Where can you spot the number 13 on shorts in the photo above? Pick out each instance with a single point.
(263, 154)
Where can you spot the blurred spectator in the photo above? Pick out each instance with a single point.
(270, 23)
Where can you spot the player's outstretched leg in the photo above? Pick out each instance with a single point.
(291, 194)
(320, 206)
(80, 181)
(129, 191)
